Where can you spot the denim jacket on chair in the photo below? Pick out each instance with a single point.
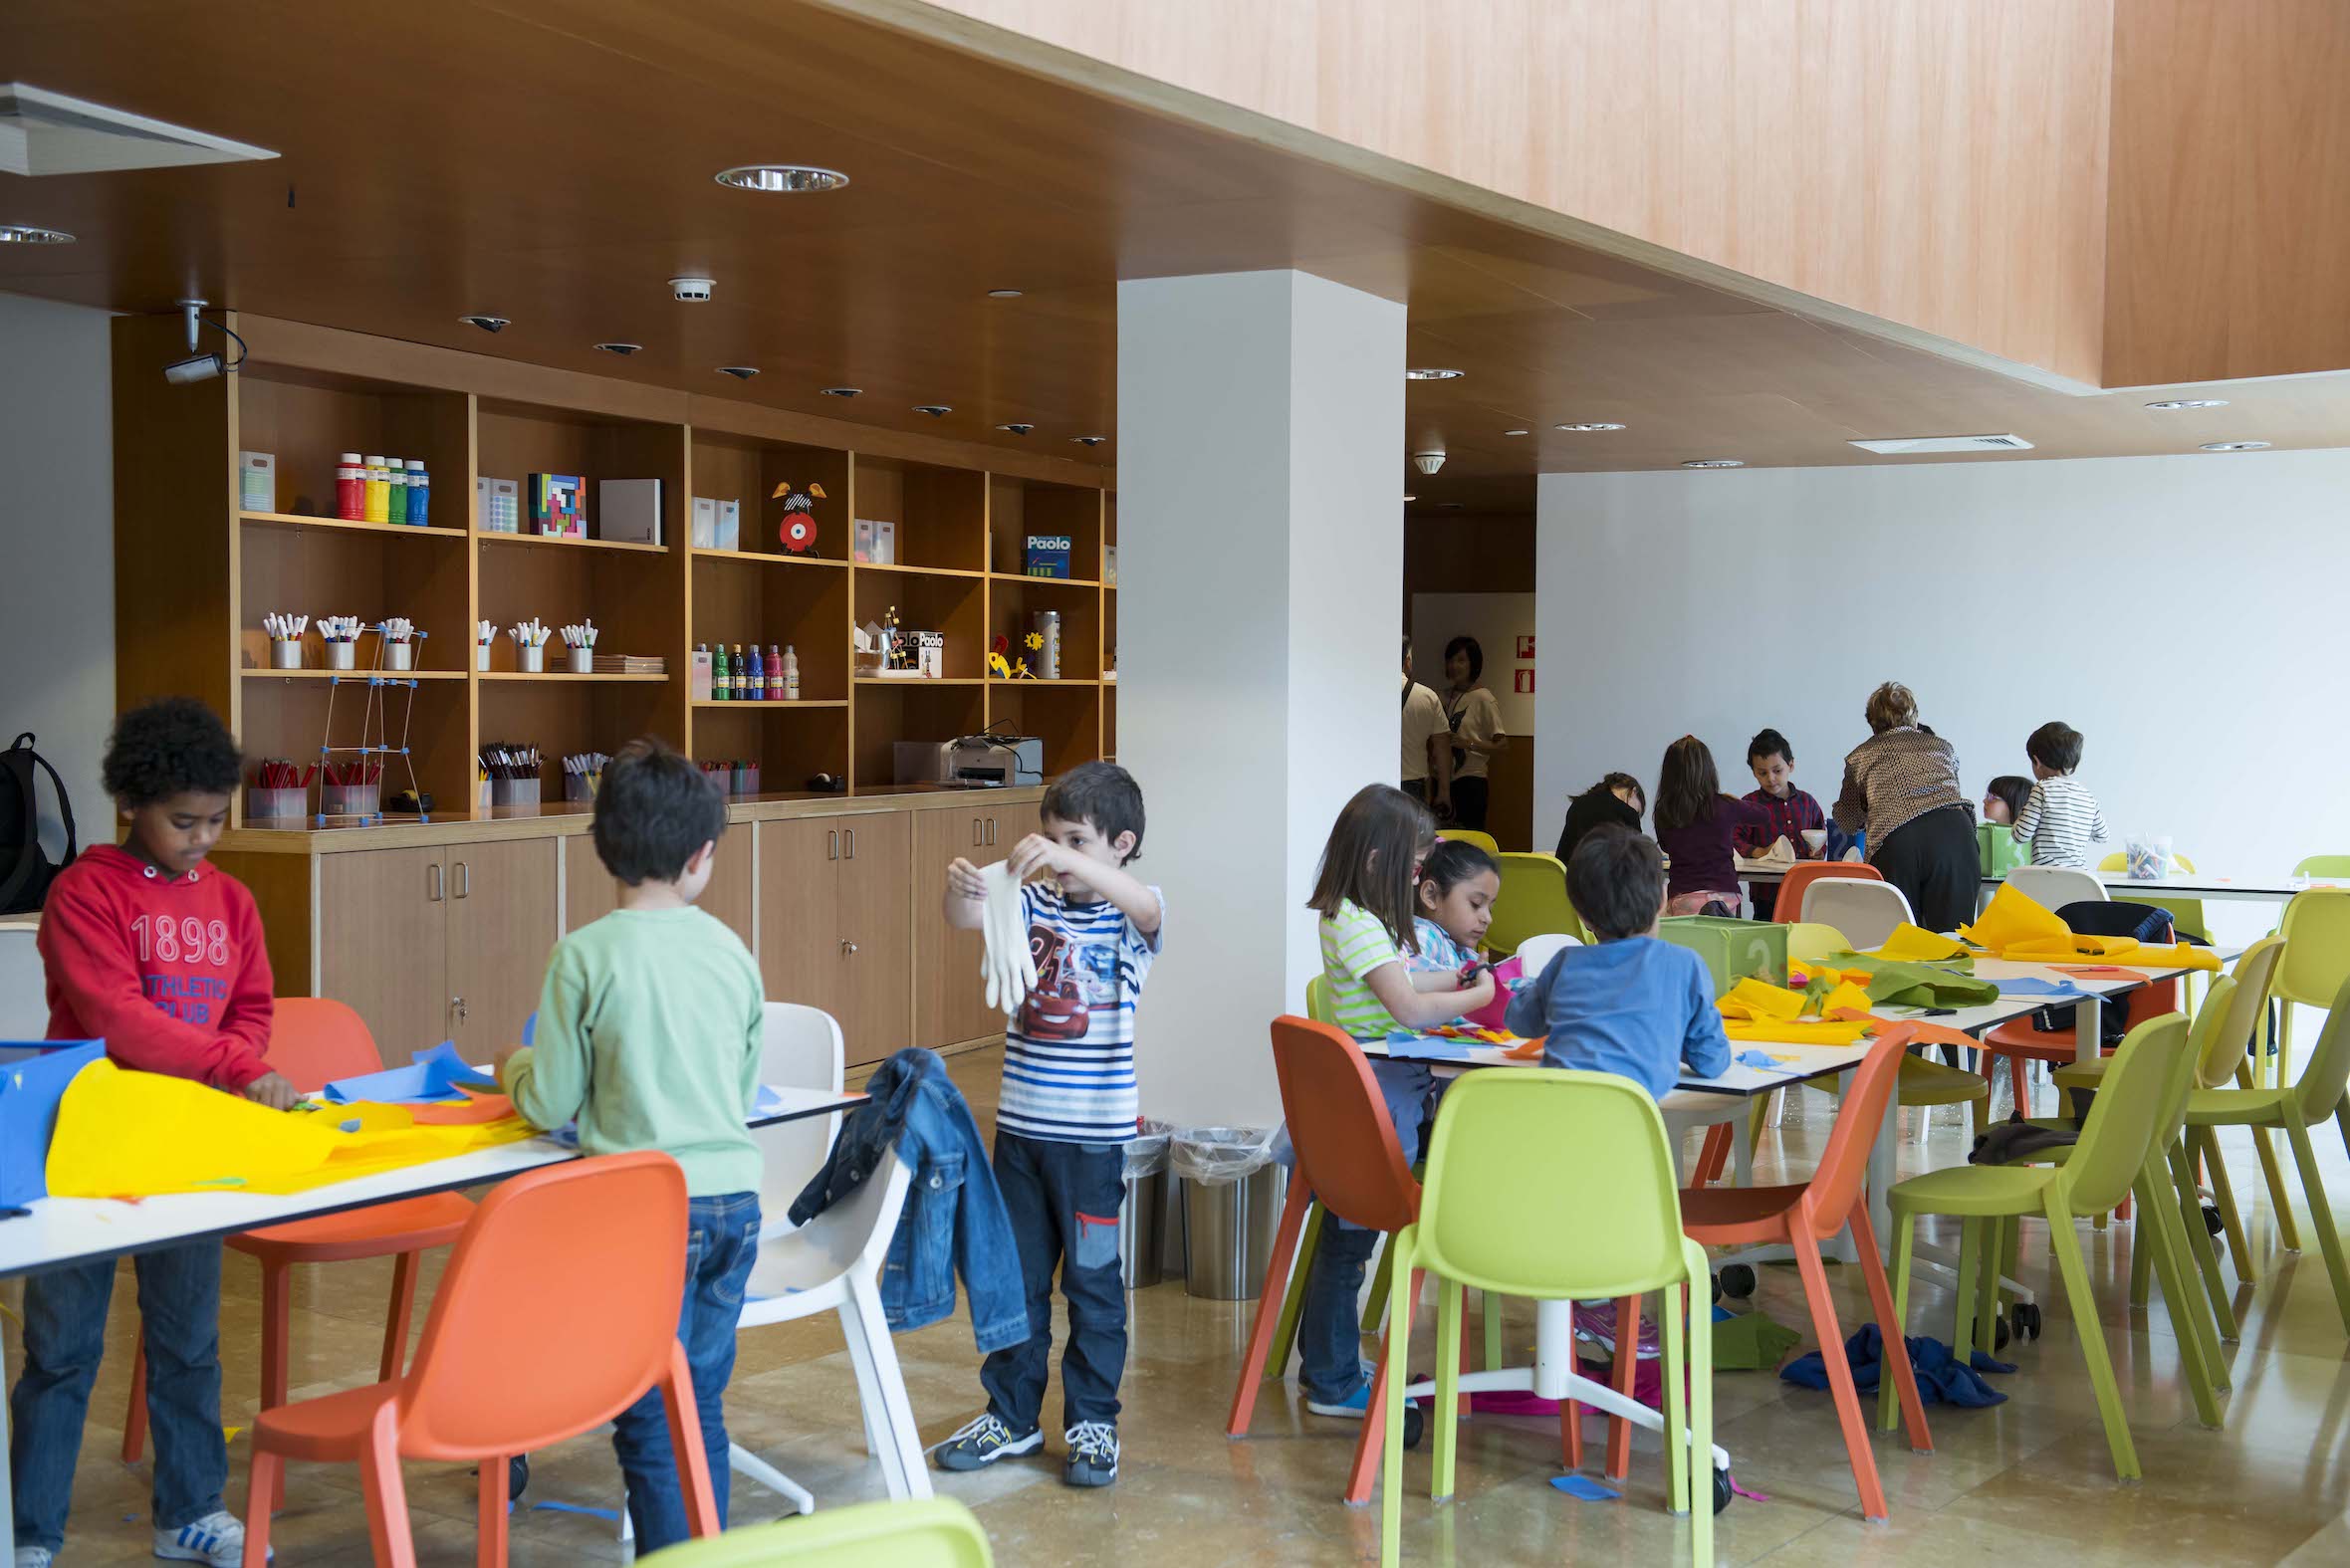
(954, 1217)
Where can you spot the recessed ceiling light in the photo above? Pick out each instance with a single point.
(2235, 446)
(1716, 462)
(619, 348)
(934, 410)
(1017, 428)
(1433, 375)
(839, 391)
(1408, 496)
(1517, 432)
(2171, 404)
(1089, 440)
(32, 234)
(1591, 424)
(1003, 294)
(782, 178)
(741, 372)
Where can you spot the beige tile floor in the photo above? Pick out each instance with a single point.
(2027, 1482)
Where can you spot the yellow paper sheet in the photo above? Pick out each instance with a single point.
(1846, 997)
(2040, 950)
(1915, 943)
(127, 1134)
(1805, 1033)
(1753, 998)
(2014, 916)
(2182, 955)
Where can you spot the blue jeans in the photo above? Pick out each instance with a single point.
(1329, 1331)
(721, 1244)
(64, 1335)
(1064, 1202)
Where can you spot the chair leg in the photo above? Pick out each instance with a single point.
(135, 1417)
(1839, 1370)
(490, 1529)
(2223, 1198)
(2020, 1083)
(1904, 1248)
(1285, 1333)
(261, 1490)
(2068, 1247)
(1701, 1420)
(2342, 1120)
(1671, 1314)
(2191, 1323)
(1375, 1305)
(1445, 1418)
(2206, 1259)
(1987, 1283)
(1967, 1304)
(1489, 1316)
(396, 1322)
(276, 1331)
(1712, 1155)
(2289, 1231)
(1872, 1274)
(744, 1462)
(1627, 1361)
(1369, 1445)
(2140, 1258)
(385, 1493)
(1987, 1065)
(883, 1391)
(2321, 1213)
(1285, 1247)
(685, 1438)
(1399, 1336)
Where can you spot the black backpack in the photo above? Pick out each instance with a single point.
(25, 869)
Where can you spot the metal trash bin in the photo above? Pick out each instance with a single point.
(1232, 1193)
(1142, 1212)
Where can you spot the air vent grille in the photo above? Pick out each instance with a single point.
(45, 133)
(1911, 446)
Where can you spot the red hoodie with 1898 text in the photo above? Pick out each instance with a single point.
(170, 971)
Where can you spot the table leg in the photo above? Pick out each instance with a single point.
(7, 1496)
(2088, 1026)
(1742, 1147)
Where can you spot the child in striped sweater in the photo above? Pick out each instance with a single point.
(2059, 818)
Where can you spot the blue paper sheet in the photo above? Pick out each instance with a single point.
(1763, 1062)
(2032, 986)
(767, 1102)
(433, 1074)
(1426, 1048)
(1583, 1487)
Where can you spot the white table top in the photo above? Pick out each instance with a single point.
(2273, 889)
(62, 1231)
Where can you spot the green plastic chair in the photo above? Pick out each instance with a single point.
(2317, 928)
(2323, 865)
(2112, 1157)
(1533, 902)
(1470, 835)
(2317, 1096)
(1506, 1209)
(920, 1532)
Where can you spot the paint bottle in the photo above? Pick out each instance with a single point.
(756, 690)
(721, 680)
(791, 675)
(350, 488)
(378, 492)
(419, 493)
(742, 683)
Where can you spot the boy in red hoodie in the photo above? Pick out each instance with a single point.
(151, 950)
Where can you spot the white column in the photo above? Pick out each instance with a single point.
(1260, 545)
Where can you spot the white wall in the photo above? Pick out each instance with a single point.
(2185, 614)
(57, 546)
(1261, 537)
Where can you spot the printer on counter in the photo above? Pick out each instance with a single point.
(997, 758)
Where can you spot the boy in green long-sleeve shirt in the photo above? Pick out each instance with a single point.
(649, 1032)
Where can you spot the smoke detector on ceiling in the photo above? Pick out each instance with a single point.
(45, 133)
(1916, 446)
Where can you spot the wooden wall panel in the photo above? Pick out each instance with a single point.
(1941, 164)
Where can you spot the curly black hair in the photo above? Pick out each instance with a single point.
(172, 746)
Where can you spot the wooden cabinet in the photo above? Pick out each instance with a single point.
(950, 995)
(800, 931)
(438, 944)
(877, 934)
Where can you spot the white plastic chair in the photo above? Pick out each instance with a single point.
(1535, 952)
(24, 1006)
(833, 1262)
(2053, 887)
(1864, 911)
(801, 1049)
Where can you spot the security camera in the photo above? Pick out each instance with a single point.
(691, 291)
(488, 324)
(741, 372)
(1427, 461)
(195, 368)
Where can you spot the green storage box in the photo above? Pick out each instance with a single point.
(1732, 949)
(2000, 852)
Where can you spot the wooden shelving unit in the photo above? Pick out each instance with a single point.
(185, 551)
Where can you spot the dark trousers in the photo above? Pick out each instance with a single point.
(1469, 801)
(1063, 1200)
(66, 1333)
(1934, 861)
(721, 1244)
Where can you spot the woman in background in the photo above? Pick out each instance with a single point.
(1475, 720)
(1902, 785)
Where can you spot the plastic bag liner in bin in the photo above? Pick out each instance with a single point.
(1231, 1206)
(1144, 1211)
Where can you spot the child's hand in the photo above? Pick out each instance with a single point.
(506, 1054)
(966, 880)
(272, 1089)
(1037, 853)
(1479, 994)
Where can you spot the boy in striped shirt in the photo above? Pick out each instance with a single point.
(1068, 1109)
(2059, 818)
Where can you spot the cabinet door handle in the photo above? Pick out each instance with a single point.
(833, 844)
(976, 824)
(847, 948)
(991, 833)
(852, 835)
(457, 1004)
(464, 880)
(432, 883)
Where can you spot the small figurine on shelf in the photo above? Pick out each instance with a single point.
(996, 665)
(899, 646)
(798, 530)
(1001, 663)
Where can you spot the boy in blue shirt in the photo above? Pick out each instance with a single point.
(1633, 1004)
(1067, 1110)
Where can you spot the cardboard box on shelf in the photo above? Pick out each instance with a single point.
(628, 510)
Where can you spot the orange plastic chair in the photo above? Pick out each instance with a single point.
(312, 1041)
(1802, 1216)
(558, 1311)
(1789, 906)
(1349, 1161)
(2018, 1042)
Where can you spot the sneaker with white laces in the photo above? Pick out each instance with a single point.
(982, 1441)
(34, 1557)
(218, 1538)
(1092, 1455)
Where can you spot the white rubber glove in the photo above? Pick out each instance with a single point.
(1006, 964)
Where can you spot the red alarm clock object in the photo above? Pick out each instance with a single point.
(799, 533)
